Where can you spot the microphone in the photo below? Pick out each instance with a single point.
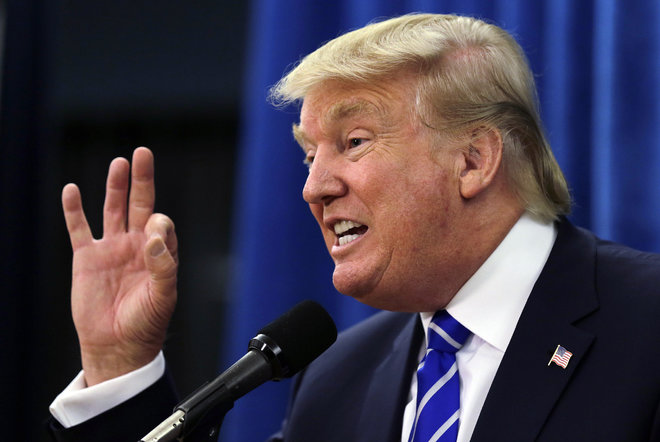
(279, 350)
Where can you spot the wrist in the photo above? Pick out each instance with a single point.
(77, 404)
(99, 365)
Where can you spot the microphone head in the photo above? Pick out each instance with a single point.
(302, 333)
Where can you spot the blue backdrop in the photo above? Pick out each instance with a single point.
(598, 72)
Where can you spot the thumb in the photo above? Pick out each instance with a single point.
(160, 264)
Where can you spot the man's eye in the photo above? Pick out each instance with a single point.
(308, 161)
(355, 142)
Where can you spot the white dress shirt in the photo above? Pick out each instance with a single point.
(489, 305)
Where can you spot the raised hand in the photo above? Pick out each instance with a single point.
(124, 284)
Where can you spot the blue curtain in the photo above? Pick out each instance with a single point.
(598, 71)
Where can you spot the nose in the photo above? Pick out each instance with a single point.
(324, 182)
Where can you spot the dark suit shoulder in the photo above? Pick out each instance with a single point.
(360, 341)
(355, 390)
(622, 264)
(619, 274)
(598, 300)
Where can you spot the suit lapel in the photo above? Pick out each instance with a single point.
(525, 388)
(381, 415)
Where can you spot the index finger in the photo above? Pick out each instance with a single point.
(74, 216)
(143, 193)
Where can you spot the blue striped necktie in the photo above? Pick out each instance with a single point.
(436, 418)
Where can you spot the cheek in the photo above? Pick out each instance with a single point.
(317, 212)
(423, 211)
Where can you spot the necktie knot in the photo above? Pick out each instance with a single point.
(446, 334)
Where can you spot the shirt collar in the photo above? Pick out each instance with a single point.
(490, 303)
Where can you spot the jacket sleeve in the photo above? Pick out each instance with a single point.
(129, 421)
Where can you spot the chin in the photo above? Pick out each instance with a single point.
(358, 288)
(349, 289)
(371, 295)
(358, 277)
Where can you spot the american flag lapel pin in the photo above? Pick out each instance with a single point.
(561, 356)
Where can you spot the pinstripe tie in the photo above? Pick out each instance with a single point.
(436, 418)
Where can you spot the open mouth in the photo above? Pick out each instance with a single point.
(348, 231)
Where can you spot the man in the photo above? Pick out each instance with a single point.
(438, 197)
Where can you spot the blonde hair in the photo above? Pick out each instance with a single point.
(472, 75)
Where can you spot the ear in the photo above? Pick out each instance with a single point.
(482, 161)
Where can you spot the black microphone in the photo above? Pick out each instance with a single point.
(280, 350)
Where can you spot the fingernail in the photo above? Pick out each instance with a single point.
(157, 249)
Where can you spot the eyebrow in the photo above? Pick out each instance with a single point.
(339, 111)
(350, 108)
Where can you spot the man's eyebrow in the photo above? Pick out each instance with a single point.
(339, 111)
(350, 108)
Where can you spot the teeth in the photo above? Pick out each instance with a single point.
(343, 226)
(346, 239)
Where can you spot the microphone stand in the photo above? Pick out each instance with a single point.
(307, 327)
(174, 428)
(204, 410)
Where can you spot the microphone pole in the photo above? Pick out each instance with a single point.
(281, 349)
(213, 399)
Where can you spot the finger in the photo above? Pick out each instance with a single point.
(142, 196)
(79, 232)
(116, 191)
(162, 226)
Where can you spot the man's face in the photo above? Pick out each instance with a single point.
(384, 194)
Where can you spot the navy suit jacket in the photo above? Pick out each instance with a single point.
(599, 300)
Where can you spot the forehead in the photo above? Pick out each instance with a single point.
(333, 102)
